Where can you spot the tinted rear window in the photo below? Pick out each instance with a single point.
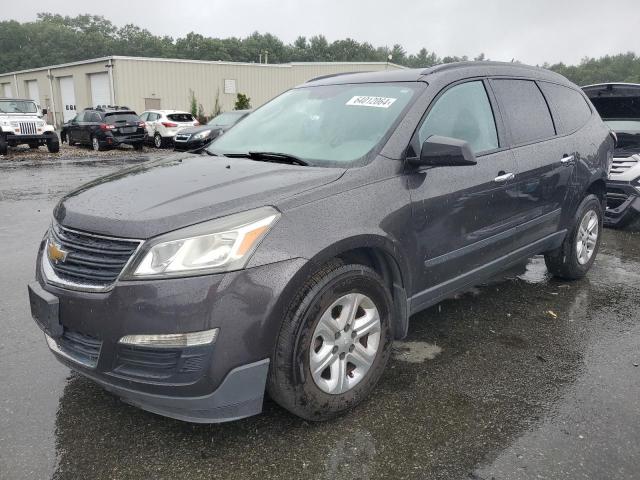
(569, 108)
(524, 110)
(180, 117)
(121, 117)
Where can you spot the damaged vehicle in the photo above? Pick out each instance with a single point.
(619, 106)
(22, 122)
(290, 254)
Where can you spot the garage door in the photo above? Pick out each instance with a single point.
(7, 91)
(100, 92)
(68, 95)
(32, 90)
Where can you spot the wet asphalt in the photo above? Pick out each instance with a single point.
(524, 377)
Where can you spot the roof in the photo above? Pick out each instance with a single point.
(18, 99)
(186, 60)
(456, 70)
(612, 90)
(166, 112)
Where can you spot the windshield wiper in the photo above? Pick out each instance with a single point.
(270, 157)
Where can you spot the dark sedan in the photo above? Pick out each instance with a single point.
(195, 138)
(105, 128)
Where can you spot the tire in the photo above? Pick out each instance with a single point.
(303, 341)
(95, 145)
(53, 145)
(34, 146)
(138, 145)
(158, 141)
(4, 147)
(574, 258)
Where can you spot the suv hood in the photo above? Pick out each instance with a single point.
(160, 196)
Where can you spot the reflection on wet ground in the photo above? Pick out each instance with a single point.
(487, 385)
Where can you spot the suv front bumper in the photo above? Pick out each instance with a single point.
(213, 383)
(623, 203)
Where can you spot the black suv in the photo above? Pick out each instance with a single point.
(103, 128)
(292, 253)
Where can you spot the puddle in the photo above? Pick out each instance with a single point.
(415, 352)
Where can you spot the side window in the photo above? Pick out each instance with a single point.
(153, 117)
(569, 108)
(524, 110)
(79, 117)
(144, 116)
(463, 112)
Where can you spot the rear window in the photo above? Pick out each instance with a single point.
(569, 108)
(524, 110)
(128, 117)
(180, 117)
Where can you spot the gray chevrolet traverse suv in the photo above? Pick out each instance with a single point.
(289, 255)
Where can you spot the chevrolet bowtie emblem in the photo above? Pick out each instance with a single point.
(56, 253)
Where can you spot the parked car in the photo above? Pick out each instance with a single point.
(196, 138)
(619, 107)
(22, 122)
(103, 128)
(293, 253)
(162, 125)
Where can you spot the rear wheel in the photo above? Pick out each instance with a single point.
(158, 141)
(578, 252)
(138, 145)
(334, 343)
(95, 144)
(34, 146)
(3, 145)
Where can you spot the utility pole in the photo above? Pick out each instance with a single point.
(266, 56)
(260, 57)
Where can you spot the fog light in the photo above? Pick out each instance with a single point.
(172, 340)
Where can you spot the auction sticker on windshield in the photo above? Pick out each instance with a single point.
(367, 101)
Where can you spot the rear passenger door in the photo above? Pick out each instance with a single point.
(543, 162)
(462, 216)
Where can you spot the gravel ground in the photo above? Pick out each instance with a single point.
(522, 378)
(24, 153)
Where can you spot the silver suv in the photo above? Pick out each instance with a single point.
(619, 107)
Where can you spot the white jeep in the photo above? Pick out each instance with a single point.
(22, 122)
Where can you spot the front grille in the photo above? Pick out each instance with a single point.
(158, 364)
(28, 128)
(82, 348)
(621, 165)
(90, 259)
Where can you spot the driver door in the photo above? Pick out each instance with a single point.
(463, 216)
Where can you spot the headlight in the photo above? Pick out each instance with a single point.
(41, 124)
(5, 123)
(201, 135)
(219, 245)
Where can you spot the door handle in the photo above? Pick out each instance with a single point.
(567, 160)
(505, 177)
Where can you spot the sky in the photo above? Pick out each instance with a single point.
(533, 32)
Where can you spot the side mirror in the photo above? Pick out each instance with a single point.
(44, 111)
(438, 151)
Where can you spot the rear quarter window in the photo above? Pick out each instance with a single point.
(524, 110)
(569, 108)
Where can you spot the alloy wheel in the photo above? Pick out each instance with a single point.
(345, 343)
(587, 237)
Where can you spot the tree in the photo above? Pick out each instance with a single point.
(193, 103)
(242, 102)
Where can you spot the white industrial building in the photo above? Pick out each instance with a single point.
(160, 83)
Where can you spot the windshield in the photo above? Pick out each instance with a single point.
(332, 125)
(225, 119)
(18, 106)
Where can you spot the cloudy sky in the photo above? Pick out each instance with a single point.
(530, 31)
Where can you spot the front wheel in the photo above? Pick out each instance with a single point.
(575, 257)
(138, 145)
(34, 146)
(334, 343)
(4, 147)
(53, 145)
